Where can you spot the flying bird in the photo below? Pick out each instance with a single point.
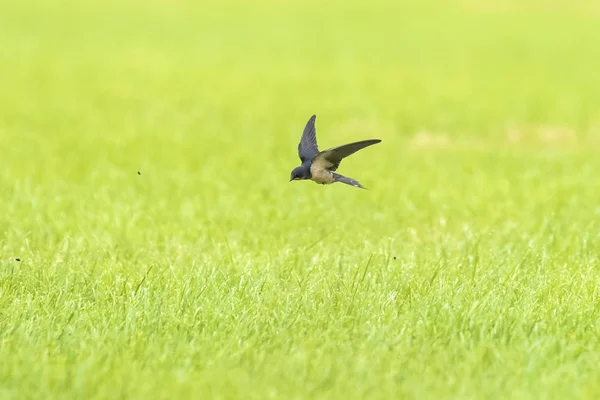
(320, 166)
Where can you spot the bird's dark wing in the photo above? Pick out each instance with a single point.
(330, 159)
(308, 148)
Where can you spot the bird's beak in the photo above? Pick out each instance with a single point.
(291, 179)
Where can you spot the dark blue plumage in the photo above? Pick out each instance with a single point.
(308, 148)
(321, 166)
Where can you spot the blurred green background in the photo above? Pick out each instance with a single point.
(209, 275)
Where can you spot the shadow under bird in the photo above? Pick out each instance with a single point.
(320, 166)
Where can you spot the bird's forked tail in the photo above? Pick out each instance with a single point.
(347, 181)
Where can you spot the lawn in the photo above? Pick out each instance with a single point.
(151, 246)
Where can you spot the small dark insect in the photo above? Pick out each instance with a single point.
(394, 257)
(18, 259)
(139, 173)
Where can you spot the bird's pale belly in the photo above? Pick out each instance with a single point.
(321, 176)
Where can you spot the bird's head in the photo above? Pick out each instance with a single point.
(300, 173)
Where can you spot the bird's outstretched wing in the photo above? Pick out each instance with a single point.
(330, 159)
(308, 148)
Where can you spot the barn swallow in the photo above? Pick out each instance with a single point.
(320, 166)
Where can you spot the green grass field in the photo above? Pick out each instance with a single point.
(469, 269)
